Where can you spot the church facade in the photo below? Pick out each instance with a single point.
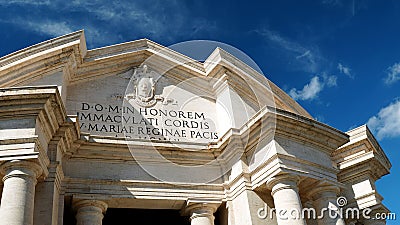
(137, 133)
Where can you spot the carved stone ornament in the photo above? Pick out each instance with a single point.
(144, 91)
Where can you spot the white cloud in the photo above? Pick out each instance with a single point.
(320, 118)
(123, 14)
(332, 2)
(52, 28)
(393, 74)
(311, 90)
(345, 70)
(106, 22)
(386, 123)
(330, 81)
(308, 58)
(306, 54)
(25, 2)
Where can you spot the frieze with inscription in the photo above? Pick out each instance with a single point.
(145, 123)
(142, 104)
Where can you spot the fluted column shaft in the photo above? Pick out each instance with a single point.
(286, 199)
(18, 196)
(89, 212)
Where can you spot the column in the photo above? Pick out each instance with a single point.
(89, 212)
(202, 213)
(286, 199)
(17, 201)
(325, 204)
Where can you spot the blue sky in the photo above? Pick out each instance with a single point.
(339, 59)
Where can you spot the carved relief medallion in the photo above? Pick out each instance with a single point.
(144, 91)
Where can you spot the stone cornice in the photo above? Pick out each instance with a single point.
(42, 58)
(358, 136)
(44, 120)
(40, 103)
(289, 125)
(220, 58)
(68, 54)
(44, 48)
(237, 186)
(361, 155)
(368, 167)
(369, 200)
(127, 48)
(309, 131)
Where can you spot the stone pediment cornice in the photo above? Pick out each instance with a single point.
(68, 54)
(48, 48)
(46, 57)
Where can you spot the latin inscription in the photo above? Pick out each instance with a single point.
(145, 123)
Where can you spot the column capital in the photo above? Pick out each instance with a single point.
(285, 191)
(17, 201)
(201, 207)
(89, 211)
(283, 181)
(323, 190)
(17, 168)
(79, 204)
(324, 197)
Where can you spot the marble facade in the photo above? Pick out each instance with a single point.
(139, 126)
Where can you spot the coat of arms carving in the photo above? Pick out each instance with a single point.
(144, 90)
